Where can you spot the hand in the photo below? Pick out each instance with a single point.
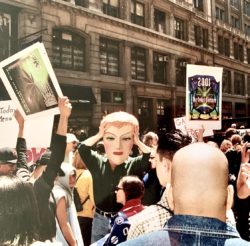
(243, 181)
(102, 128)
(65, 106)
(136, 135)
(19, 118)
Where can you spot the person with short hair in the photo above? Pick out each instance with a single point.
(8, 159)
(155, 216)
(199, 195)
(119, 130)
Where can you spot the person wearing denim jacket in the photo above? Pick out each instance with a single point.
(199, 195)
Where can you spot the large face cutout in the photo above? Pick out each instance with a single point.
(118, 142)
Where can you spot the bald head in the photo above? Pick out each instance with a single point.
(199, 181)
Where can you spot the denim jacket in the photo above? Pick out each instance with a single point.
(187, 230)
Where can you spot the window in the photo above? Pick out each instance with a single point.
(179, 28)
(220, 13)
(223, 46)
(201, 36)
(198, 4)
(109, 55)
(238, 52)
(180, 70)
(239, 84)
(247, 30)
(110, 7)
(83, 3)
(108, 96)
(160, 21)
(138, 63)
(227, 109)
(180, 106)
(248, 55)
(235, 22)
(246, 7)
(161, 107)
(240, 110)
(68, 50)
(160, 68)
(248, 85)
(164, 112)
(235, 3)
(145, 113)
(137, 13)
(226, 81)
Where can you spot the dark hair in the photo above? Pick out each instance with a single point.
(133, 187)
(170, 142)
(19, 219)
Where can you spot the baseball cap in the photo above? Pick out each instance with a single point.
(44, 158)
(8, 156)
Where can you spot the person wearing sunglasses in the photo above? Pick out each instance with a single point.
(129, 193)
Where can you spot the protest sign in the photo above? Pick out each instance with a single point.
(181, 124)
(203, 97)
(31, 82)
(37, 132)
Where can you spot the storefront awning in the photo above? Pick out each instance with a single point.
(78, 94)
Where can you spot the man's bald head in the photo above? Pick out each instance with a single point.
(199, 181)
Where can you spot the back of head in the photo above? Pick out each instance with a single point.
(7, 155)
(133, 187)
(199, 180)
(19, 220)
(150, 139)
(120, 119)
(170, 142)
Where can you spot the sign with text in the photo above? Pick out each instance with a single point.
(203, 96)
(181, 124)
(37, 132)
(31, 82)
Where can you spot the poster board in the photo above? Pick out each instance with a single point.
(31, 82)
(203, 96)
(37, 132)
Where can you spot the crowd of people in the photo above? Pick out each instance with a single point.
(116, 187)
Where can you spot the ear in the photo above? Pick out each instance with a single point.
(170, 196)
(230, 195)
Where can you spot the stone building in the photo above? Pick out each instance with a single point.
(131, 55)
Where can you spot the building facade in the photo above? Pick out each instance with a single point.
(131, 55)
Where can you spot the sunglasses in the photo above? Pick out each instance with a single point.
(118, 188)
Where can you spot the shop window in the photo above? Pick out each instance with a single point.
(109, 55)
(240, 110)
(68, 50)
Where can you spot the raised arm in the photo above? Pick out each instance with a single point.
(243, 180)
(94, 139)
(143, 147)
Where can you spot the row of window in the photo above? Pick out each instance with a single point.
(69, 53)
(238, 49)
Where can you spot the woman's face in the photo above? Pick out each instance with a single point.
(120, 194)
(118, 142)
